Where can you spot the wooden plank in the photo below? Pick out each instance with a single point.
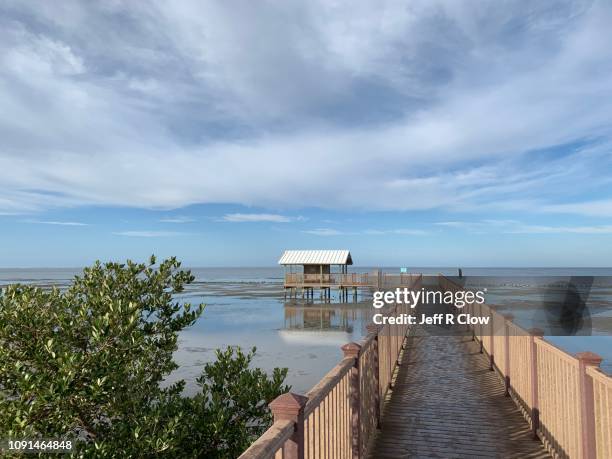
(445, 402)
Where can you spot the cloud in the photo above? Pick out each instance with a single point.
(177, 220)
(538, 229)
(326, 232)
(517, 227)
(407, 231)
(254, 218)
(367, 232)
(148, 233)
(39, 222)
(453, 224)
(480, 225)
(455, 106)
(599, 208)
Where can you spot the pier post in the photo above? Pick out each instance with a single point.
(587, 407)
(290, 407)
(400, 340)
(388, 356)
(373, 330)
(480, 327)
(353, 350)
(472, 328)
(492, 343)
(508, 318)
(534, 334)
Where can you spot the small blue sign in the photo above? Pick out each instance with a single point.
(403, 270)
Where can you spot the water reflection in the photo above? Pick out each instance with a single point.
(331, 318)
(303, 336)
(324, 324)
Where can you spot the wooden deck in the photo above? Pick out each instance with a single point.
(447, 403)
(436, 396)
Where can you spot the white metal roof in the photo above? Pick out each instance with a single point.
(316, 257)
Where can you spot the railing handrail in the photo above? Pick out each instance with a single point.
(325, 385)
(271, 441)
(350, 279)
(584, 434)
(550, 347)
(598, 373)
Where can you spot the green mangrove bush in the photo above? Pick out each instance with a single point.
(89, 362)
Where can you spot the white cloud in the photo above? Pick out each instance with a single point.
(291, 105)
(178, 219)
(326, 232)
(254, 218)
(543, 229)
(58, 223)
(407, 231)
(517, 227)
(367, 232)
(599, 208)
(148, 233)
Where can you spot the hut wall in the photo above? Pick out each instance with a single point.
(316, 269)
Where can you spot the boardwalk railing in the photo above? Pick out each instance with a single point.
(374, 280)
(566, 399)
(338, 417)
(339, 279)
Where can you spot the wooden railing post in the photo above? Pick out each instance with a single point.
(492, 342)
(587, 408)
(388, 356)
(373, 329)
(534, 333)
(352, 350)
(472, 328)
(480, 328)
(400, 339)
(507, 320)
(290, 407)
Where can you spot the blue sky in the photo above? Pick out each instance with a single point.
(413, 133)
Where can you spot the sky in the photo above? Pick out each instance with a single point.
(420, 133)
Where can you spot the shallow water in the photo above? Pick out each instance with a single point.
(304, 337)
(246, 307)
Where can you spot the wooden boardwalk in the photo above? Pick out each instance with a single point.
(447, 403)
(440, 398)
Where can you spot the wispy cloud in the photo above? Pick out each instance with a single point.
(453, 224)
(403, 111)
(326, 232)
(253, 218)
(407, 231)
(598, 208)
(478, 226)
(148, 233)
(177, 220)
(367, 232)
(58, 223)
(543, 229)
(517, 227)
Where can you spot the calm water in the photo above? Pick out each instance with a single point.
(246, 307)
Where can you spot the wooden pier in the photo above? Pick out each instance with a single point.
(498, 391)
(345, 283)
(457, 406)
(317, 274)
